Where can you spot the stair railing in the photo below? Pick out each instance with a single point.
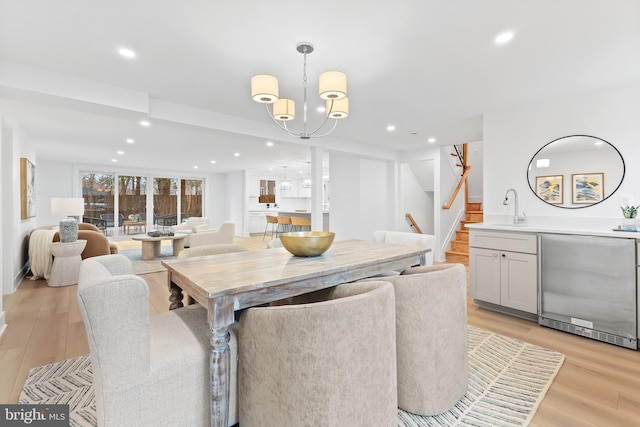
(462, 157)
(413, 223)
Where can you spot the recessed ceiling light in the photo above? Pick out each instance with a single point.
(599, 143)
(127, 53)
(195, 167)
(114, 160)
(130, 140)
(120, 152)
(391, 128)
(505, 37)
(236, 154)
(431, 140)
(213, 162)
(144, 123)
(321, 109)
(269, 144)
(270, 169)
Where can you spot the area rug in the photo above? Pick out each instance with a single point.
(507, 381)
(141, 266)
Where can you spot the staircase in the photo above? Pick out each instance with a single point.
(459, 252)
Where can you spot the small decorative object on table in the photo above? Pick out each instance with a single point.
(629, 213)
(307, 243)
(157, 233)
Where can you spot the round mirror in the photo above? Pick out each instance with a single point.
(576, 171)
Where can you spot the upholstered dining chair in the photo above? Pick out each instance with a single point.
(327, 363)
(426, 241)
(431, 334)
(147, 370)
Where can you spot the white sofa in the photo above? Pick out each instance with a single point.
(192, 225)
(223, 235)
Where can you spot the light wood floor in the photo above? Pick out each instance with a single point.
(598, 385)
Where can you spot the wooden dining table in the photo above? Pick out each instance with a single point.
(228, 282)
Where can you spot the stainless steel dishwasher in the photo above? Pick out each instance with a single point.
(587, 286)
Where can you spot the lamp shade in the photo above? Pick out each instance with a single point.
(67, 206)
(333, 85)
(264, 89)
(284, 109)
(338, 109)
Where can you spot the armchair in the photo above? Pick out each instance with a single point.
(189, 227)
(148, 370)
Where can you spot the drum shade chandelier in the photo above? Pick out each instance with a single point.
(332, 88)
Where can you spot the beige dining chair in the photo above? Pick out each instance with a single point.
(327, 363)
(147, 370)
(431, 334)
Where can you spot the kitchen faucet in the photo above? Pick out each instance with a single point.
(516, 217)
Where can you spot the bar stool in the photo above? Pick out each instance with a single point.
(273, 220)
(285, 222)
(300, 222)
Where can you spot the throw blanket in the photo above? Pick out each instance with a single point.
(40, 257)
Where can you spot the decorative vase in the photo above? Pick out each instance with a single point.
(68, 230)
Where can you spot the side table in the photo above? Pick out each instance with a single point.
(66, 264)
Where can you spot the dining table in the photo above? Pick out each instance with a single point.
(230, 282)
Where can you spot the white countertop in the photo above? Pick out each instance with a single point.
(525, 227)
(294, 212)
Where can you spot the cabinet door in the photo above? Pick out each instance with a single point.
(484, 269)
(519, 281)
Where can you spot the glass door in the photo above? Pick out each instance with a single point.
(97, 191)
(165, 202)
(190, 198)
(132, 204)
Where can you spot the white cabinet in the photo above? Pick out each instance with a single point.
(258, 221)
(297, 190)
(503, 269)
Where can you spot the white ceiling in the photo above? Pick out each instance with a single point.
(426, 66)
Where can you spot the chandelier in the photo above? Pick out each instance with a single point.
(332, 88)
(306, 182)
(285, 184)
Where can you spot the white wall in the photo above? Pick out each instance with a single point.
(475, 179)
(414, 199)
(236, 199)
(4, 265)
(362, 199)
(513, 135)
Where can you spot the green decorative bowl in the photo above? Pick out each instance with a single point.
(307, 243)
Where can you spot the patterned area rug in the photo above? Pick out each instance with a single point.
(141, 266)
(507, 381)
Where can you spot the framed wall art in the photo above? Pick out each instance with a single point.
(587, 188)
(550, 188)
(27, 189)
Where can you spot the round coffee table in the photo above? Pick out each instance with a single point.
(151, 245)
